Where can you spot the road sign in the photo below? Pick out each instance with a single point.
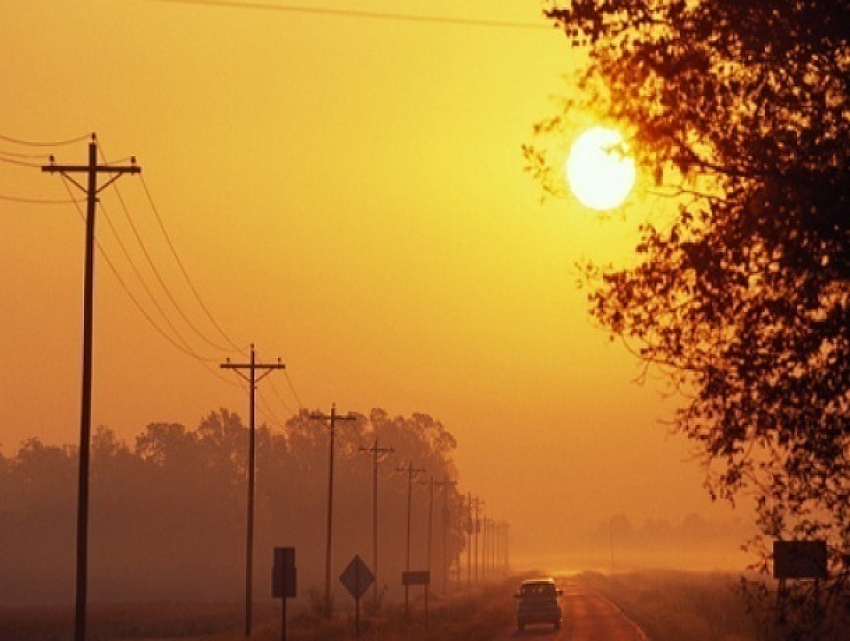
(799, 560)
(283, 573)
(417, 577)
(357, 577)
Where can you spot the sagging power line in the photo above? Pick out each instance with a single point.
(363, 14)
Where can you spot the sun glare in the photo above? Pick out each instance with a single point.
(599, 172)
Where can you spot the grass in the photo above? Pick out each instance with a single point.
(671, 606)
(472, 615)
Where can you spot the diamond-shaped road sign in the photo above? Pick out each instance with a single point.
(357, 577)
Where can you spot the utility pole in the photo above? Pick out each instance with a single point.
(445, 483)
(333, 417)
(485, 550)
(376, 453)
(476, 526)
(470, 531)
(410, 472)
(91, 190)
(430, 539)
(265, 368)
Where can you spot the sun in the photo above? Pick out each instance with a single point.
(599, 172)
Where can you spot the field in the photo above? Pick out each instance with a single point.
(474, 615)
(669, 606)
(680, 605)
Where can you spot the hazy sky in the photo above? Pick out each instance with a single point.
(348, 194)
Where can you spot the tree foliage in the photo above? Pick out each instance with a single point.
(741, 110)
(168, 513)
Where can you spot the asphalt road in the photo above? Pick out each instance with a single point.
(588, 616)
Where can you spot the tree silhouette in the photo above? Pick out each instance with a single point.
(740, 110)
(168, 514)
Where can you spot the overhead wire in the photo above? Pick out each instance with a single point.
(39, 201)
(292, 387)
(204, 307)
(280, 397)
(269, 414)
(157, 273)
(15, 161)
(362, 14)
(147, 289)
(24, 154)
(180, 343)
(141, 309)
(183, 271)
(41, 143)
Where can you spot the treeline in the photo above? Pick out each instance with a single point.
(168, 512)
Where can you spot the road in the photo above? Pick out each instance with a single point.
(588, 616)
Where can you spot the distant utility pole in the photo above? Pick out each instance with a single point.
(91, 190)
(265, 368)
(410, 472)
(333, 417)
(469, 531)
(476, 526)
(376, 454)
(445, 483)
(485, 550)
(506, 547)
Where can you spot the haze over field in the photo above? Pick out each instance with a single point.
(346, 193)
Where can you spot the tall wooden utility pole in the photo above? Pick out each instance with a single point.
(333, 417)
(410, 472)
(265, 368)
(91, 190)
(376, 454)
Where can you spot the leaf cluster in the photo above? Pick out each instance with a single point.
(744, 298)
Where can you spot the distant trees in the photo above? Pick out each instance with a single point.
(168, 514)
(740, 110)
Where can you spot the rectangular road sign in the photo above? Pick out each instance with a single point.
(416, 577)
(799, 560)
(284, 573)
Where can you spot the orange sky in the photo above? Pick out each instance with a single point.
(348, 194)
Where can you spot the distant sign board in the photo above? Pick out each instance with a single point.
(418, 577)
(357, 577)
(799, 560)
(284, 573)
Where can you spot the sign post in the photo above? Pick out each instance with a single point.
(418, 577)
(283, 581)
(798, 560)
(356, 578)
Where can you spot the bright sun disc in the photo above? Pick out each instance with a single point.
(598, 171)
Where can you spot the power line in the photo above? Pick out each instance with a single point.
(280, 398)
(21, 163)
(158, 276)
(150, 294)
(362, 14)
(55, 143)
(141, 309)
(292, 387)
(185, 273)
(23, 154)
(39, 201)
